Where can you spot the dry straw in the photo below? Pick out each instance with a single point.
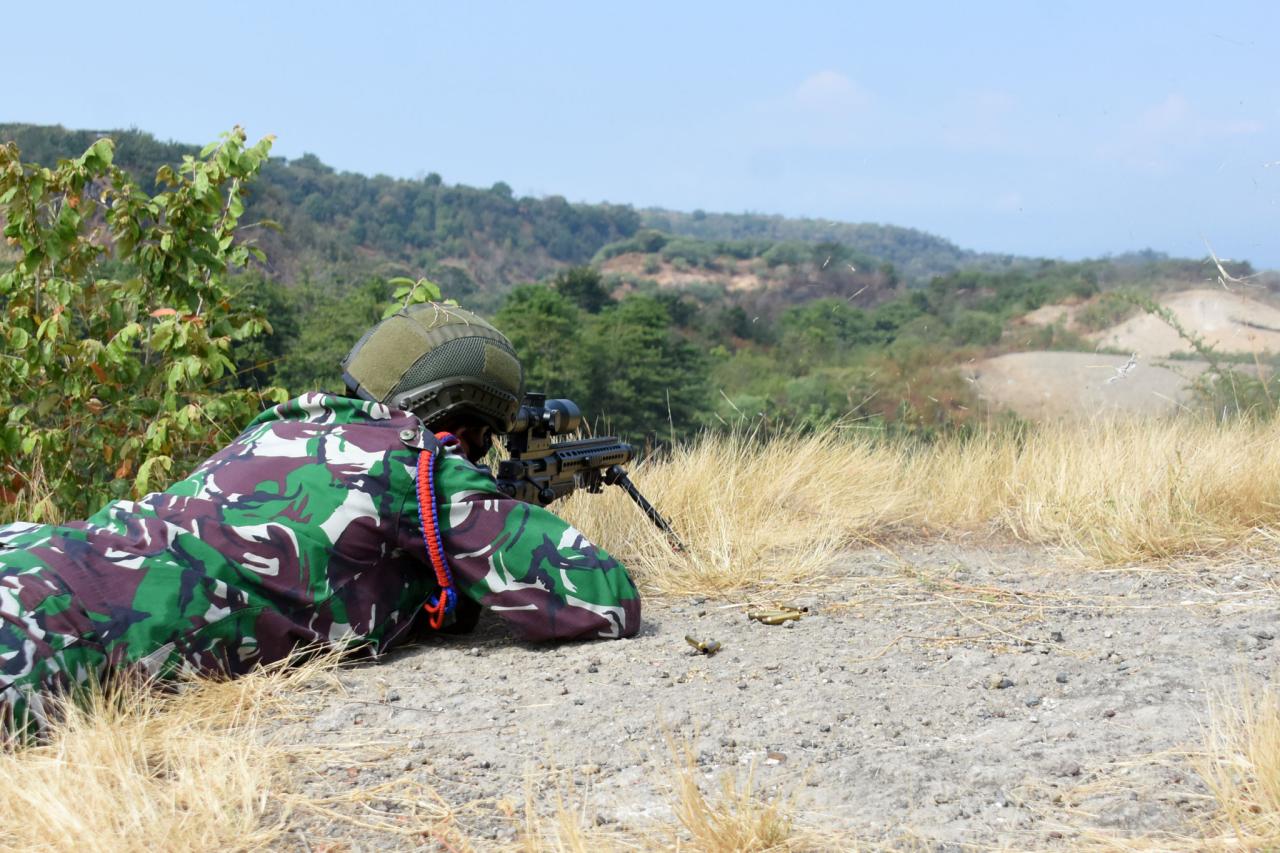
(757, 511)
(1241, 766)
(146, 770)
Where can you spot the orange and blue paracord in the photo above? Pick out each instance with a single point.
(439, 605)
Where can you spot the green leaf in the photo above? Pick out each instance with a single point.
(147, 470)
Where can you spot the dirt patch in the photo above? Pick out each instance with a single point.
(736, 276)
(1047, 315)
(1041, 385)
(949, 694)
(1226, 321)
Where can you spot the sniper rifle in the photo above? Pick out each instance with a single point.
(539, 470)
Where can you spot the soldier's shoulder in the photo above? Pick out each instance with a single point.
(319, 407)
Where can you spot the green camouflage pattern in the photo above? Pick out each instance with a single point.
(304, 532)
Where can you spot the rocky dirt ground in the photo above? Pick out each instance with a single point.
(933, 696)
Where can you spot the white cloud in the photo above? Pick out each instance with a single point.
(1169, 128)
(830, 92)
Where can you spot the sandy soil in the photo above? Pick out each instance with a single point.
(1228, 321)
(945, 694)
(737, 278)
(1040, 385)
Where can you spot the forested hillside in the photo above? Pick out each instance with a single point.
(654, 321)
(339, 227)
(916, 255)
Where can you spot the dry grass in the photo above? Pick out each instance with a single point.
(205, 768)
(146, 770)
(1241, 766)
(756, 511)
(736, 818)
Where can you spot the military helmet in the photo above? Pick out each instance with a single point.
(437, 360)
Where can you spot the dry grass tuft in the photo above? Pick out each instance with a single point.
(759, 511)
(571, 828)
(752, 511)
(142, 769)
(1241, 766)
(738, 819)
(33, 499)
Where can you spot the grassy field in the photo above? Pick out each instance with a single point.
(758, 514)
(763, 510)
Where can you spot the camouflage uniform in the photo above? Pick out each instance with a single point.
(304, 531)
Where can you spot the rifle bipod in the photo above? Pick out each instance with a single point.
(617, 475)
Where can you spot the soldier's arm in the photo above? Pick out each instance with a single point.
(529, 566)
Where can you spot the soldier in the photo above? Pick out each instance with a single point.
(331, 522)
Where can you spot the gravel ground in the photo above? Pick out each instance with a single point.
(934, 696)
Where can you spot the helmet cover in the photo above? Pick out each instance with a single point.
(436, 360)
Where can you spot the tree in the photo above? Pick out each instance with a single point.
(641, 376)
(119, 320)
(545, 328)
(584, 286)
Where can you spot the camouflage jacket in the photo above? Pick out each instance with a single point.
(304, 531)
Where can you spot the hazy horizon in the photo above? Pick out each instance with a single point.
(1051, 132)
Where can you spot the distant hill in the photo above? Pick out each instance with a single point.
(340, 226)
(916, 255)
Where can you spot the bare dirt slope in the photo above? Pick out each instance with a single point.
(1228, 321)
(1040, 385)
(946, 694)
(737, 275)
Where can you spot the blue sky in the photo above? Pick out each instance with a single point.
(1058, 129)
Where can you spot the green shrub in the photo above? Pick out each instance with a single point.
(119, 322)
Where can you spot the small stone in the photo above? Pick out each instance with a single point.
(742, 685)
(1109, 713)
(393, 696)
(999, 682)
(1108, 634)
(1056, 636)
(790, 623)
(1061, 678)
(1032, 701)
(579, 701)
(588, 769)
(825, 727)
(406, 765)
(593, 668)
(417, 745)
(1263, 634)
(474, 651)
(564, 691)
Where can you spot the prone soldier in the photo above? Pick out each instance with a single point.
(331, 522)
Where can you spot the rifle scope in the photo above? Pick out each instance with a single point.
(541, 416)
